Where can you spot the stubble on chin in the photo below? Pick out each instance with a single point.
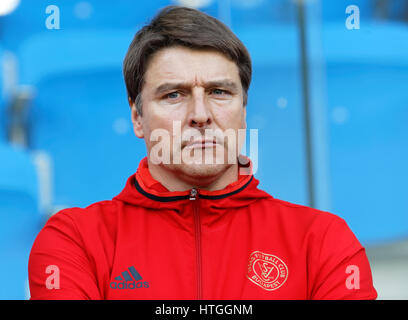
(198, 172)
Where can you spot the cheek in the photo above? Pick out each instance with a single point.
(234, 119)
(161, 118)
(167, 114)
(162, 123)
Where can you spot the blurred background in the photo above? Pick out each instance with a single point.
(329, 98)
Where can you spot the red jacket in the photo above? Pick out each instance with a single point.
(235, 243)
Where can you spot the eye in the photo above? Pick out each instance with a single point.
(172, 95)
(219, 92)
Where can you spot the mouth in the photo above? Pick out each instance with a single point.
(203, 144)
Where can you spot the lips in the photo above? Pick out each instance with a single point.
(205, 143)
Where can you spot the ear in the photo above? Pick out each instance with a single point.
(136, 120)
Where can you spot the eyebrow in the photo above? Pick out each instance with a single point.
(225, 83)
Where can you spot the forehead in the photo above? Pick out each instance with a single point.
(190, 65)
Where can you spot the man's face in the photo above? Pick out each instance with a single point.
(195, 91)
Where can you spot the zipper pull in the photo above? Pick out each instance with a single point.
(193, 194)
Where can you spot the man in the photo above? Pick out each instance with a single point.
(191, 222)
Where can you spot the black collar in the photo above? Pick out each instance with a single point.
(176, 198)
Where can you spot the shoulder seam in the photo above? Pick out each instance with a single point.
(298, 206)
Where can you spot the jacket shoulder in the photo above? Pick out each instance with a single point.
(85, 223)
(93, 211)
(297, 211)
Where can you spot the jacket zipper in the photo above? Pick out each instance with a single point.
(197, 224)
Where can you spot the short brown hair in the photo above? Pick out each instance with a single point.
(175, 25)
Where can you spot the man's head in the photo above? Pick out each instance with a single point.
(187, 27)
(188, 68)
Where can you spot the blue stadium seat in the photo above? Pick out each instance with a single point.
(275, 109)
(83, 121)
(20, 219)
(80, 115)
(262, 13)
(30, 17)
(336, 10)
(367, 73)
(370, 10)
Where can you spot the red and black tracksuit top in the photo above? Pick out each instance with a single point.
(235, 243)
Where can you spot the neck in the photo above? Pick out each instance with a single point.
(177, 180)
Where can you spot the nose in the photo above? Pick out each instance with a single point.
(200, 115)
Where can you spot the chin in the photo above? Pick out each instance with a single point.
(200, 170)
(204, 170)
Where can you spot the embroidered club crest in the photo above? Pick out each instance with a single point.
(266, 270)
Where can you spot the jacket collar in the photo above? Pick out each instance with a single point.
(143, 190)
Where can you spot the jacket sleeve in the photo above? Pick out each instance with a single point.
(342, 270)
(58, 267)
